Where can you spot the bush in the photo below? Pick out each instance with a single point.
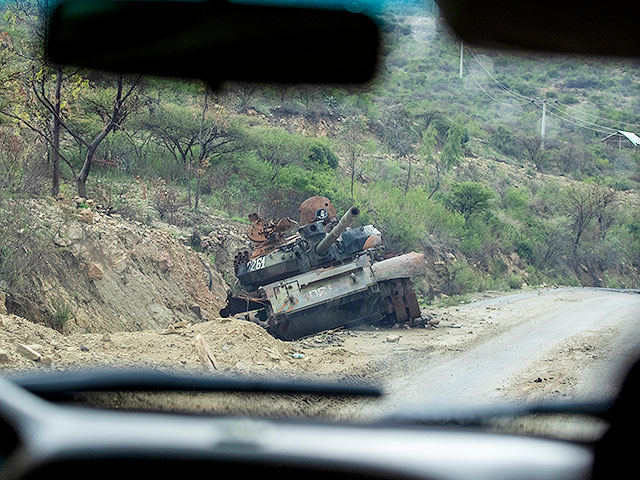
(524, 249)
(166, 200)
(408, 221)
(505, 142)
(321, 155)
(514, 281)
(516, 199)
(62, 313)
(469, 198)
(465, 279)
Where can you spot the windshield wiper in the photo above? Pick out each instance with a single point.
(62, 385)
(482, 416)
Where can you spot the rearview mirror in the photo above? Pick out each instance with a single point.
(215, 41)
(547, 25)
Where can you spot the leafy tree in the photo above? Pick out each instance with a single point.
(278, 148)
(469, 198)
(175, 127)
(452, 152)
(111, 114)
(25, 71)
(42, 84)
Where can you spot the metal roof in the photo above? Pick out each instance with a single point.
(632, 137)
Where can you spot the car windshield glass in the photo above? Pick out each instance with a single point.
(462, 230)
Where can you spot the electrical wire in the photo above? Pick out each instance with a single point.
(501, 85)
(598, 130)
(561, 114)
(473, 77)
(599, 117)
(582, 122)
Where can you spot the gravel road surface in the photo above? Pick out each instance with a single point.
(569, 343)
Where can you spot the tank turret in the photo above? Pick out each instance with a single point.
(344, 223)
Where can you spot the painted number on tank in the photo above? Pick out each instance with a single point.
(256, 264)
(320, 291)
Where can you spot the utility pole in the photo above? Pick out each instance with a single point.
(544, 121)
(461, 57)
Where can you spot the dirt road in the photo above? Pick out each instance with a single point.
(540, 344)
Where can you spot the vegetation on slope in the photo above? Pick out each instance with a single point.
(435, 161)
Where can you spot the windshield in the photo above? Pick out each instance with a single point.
(462, 230)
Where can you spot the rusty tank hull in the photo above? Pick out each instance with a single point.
(355, 293)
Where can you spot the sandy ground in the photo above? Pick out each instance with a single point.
(532, 345)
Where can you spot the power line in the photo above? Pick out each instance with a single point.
(473, 77)
(584, 122)
(599, 130)
(502, 86)
(575, 120)
(599, 117)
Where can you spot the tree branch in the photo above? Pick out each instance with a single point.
(42, 134)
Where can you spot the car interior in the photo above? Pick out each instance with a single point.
(46, 433)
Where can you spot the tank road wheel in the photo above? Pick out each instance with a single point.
(388, 321)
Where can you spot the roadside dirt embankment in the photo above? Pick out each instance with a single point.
(91, 272)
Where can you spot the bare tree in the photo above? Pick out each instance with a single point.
(585, 205)
(112, 119)
(606, 209)
(216, 136)
(535, 153)
(353, 138)
(244, 95)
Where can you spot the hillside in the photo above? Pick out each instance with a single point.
(129, 236)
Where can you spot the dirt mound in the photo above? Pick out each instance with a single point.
(237, 346)
(100, 273)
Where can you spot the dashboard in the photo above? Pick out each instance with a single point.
(40, 439)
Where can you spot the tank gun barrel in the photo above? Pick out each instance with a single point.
(345, 222)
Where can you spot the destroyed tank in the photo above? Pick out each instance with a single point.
(324, 276)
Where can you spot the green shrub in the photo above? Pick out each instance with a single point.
(469, 198)
(321, 155)
(465, 279)
(62, 313)
(516, 199)
(514, 281)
